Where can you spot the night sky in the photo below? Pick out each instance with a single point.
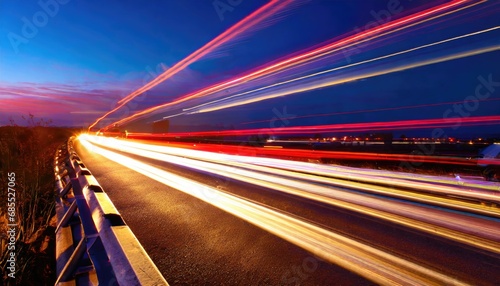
(72, 61)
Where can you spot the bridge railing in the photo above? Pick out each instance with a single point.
(93, 243)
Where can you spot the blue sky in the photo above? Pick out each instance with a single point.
(86, 55)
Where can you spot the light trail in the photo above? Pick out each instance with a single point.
(341, 68)
(446, 187)
(484, 234)
(311, 154)
(363, 111)
(395, 25)
(405, 180)
(329, 83)
(367, 261)
(345, 128)
(248, 22)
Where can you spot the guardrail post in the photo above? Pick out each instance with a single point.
(106, 245)
(67, 216)
(65, 191)
(95, 248)
(70, 267)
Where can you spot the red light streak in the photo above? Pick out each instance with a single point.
(251, 20)
(368, 110)
(302, 154)
(335, 248)
(351, 127)
(307, 56)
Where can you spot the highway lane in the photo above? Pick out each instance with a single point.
(466, 263)
(194, 243)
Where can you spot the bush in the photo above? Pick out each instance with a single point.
(29, 153)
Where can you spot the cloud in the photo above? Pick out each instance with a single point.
(57, 101)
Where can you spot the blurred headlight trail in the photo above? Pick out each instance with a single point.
(248, 22)
(223, 102)
(312, 55)
(466, 229)
(359, 111)
(351, 127)
(367, 261)
(304, 153)
(321, 83)
(447, 186)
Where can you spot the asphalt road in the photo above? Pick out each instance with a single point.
(195, 243)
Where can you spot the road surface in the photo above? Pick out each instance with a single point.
(207, 218)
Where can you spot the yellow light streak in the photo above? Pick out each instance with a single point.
(367, 261)
(313, 86)
(479, 233)
(343, 67)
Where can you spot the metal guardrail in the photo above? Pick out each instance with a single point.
(93, 243)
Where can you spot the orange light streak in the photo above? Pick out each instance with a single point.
(465, 229)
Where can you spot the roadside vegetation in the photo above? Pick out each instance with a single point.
(28, 152)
